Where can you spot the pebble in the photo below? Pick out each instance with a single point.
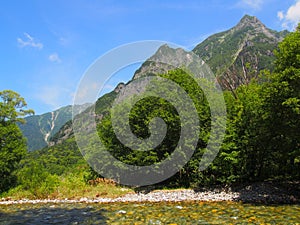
(121, 212)
(155, 196)
(165, 195)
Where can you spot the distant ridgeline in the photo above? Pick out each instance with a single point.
(235, 56)
(39, 129)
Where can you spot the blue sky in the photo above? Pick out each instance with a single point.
(46, 46)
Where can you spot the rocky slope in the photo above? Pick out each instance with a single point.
(235, 56)
(240, 53)
(39, 129)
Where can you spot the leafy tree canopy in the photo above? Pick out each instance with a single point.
(12, 107)
(12, 143)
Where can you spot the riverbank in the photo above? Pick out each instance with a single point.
(154, 196)
(260, 193)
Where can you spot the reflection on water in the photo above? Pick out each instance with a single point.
(150, 213)
(52, 214)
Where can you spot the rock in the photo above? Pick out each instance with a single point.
(121, 212)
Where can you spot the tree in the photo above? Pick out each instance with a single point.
(141, 115)
(269, 126)
(12, 142)
(282, 101)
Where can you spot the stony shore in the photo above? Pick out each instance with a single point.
(155, 196)
(263, 193)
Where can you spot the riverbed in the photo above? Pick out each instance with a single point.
(184, 212)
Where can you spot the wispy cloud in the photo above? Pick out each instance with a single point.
(280, 15)
(54, 57)
(54, 96)
(29, 41)
(53, 84)
(291, 17)
(252, 4)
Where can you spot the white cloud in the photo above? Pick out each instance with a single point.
(253, 4)
(29, 41)
(293, 13)
(280, 15)
(291, 18)
(54, 57)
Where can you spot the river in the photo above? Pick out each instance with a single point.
(150, 213)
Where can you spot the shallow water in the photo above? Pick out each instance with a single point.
(150, 213)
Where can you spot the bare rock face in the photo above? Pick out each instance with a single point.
(119, 87)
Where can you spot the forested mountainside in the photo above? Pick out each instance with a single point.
(39, 129)
(240, 53)
(235, 56)
(254, 147)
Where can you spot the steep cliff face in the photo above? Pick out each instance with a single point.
(237, 55)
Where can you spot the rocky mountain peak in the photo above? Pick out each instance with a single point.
(119, 87)
(254, 26)
(250, 21)
(228, 53)
(165, 59)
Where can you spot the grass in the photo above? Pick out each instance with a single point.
(70, 186)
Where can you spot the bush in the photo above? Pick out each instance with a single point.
(35, 179)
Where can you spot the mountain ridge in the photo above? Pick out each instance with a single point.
(235, 56)
(230, 52)
(38, 129)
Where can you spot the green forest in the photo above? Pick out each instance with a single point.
(261, 142)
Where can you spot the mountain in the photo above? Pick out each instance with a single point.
(101, 107)
(240, 53)
(156, 64)
(39, 129)
(235, 56)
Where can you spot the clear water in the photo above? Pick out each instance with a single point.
(150, 213)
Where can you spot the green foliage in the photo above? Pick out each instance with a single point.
(227, 53)
(261, 140)
(39, 129)
(254, 148)
(288, 54)
(104, 103)
(35, 178)
(34, 136)
(12, 143)
(281, 104)
(12, 107)
(12, 150)
(265, 121)
(42, 172)
(57, 159)
(147, 109)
